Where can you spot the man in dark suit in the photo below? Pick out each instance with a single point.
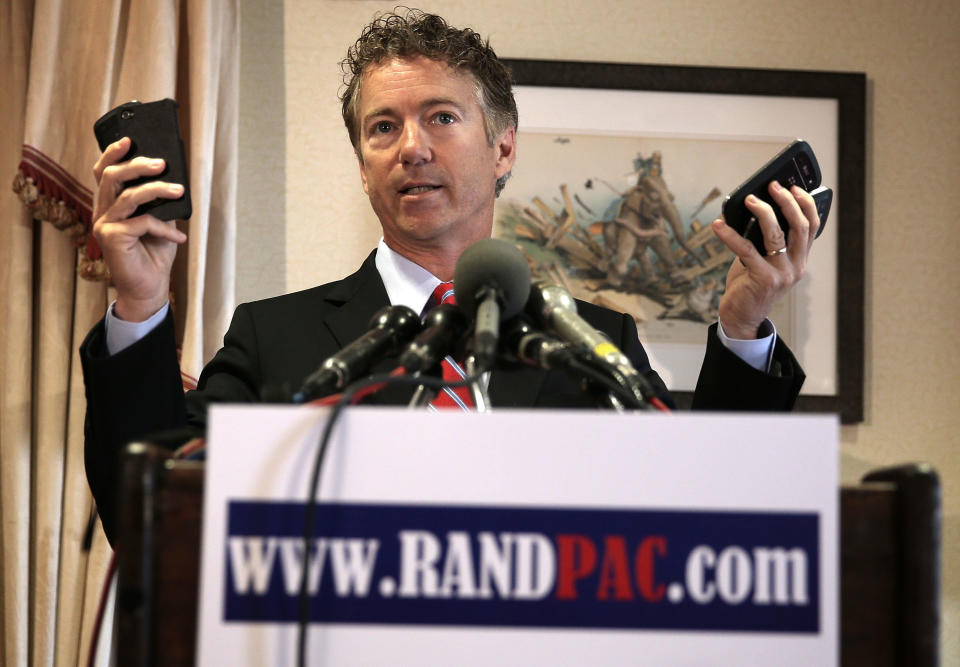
(432, 119)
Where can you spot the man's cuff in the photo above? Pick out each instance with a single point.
(122, 334)
(757, 353)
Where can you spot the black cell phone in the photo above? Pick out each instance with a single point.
(794, 165)
(154, 132)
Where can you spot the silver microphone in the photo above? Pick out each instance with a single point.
(556, 310)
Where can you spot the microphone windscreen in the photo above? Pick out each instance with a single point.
(492, 263)
(402, 322)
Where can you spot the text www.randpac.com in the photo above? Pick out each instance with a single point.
(594, 568)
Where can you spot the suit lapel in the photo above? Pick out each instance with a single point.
(356, 298)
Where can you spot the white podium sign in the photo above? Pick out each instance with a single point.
(521, 537)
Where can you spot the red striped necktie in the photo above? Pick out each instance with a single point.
(450, 397)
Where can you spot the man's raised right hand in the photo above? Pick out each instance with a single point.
(138, 251)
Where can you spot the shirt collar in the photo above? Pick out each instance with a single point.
(408, 283)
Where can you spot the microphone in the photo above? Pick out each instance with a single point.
(557, 311)
(522, 342)
(492, 280)
(390, 327)
(442, 328)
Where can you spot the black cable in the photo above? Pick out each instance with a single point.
(609, 378)
(311, 508)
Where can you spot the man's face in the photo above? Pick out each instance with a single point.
(425, 161)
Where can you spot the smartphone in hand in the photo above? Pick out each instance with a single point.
(154, 132)
(794, 165)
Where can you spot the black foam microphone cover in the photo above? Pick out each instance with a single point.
(497, 264)
(492, 282)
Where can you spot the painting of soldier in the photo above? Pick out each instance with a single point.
(647, 222)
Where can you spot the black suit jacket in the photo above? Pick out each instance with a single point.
(279, 341)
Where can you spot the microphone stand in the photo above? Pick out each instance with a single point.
(422, 396)
(478, 388)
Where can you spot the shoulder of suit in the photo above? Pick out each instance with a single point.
(334, 292)
(590, 311)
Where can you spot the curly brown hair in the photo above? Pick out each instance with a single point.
(416, 33)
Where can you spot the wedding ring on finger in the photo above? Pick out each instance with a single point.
(774, 253)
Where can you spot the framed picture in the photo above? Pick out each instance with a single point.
(621, 168)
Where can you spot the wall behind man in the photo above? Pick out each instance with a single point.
(304, 218)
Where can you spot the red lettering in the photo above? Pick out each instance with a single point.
(614, 572)
(643, 567)
(576, 558)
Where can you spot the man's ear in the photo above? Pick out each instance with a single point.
(363, 173)
(506, 145)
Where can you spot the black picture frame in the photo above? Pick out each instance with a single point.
(849, 91)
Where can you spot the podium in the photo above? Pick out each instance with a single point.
(889, 563)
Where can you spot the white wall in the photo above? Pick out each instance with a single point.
(305, 219)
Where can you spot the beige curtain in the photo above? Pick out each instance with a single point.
(65, 62)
